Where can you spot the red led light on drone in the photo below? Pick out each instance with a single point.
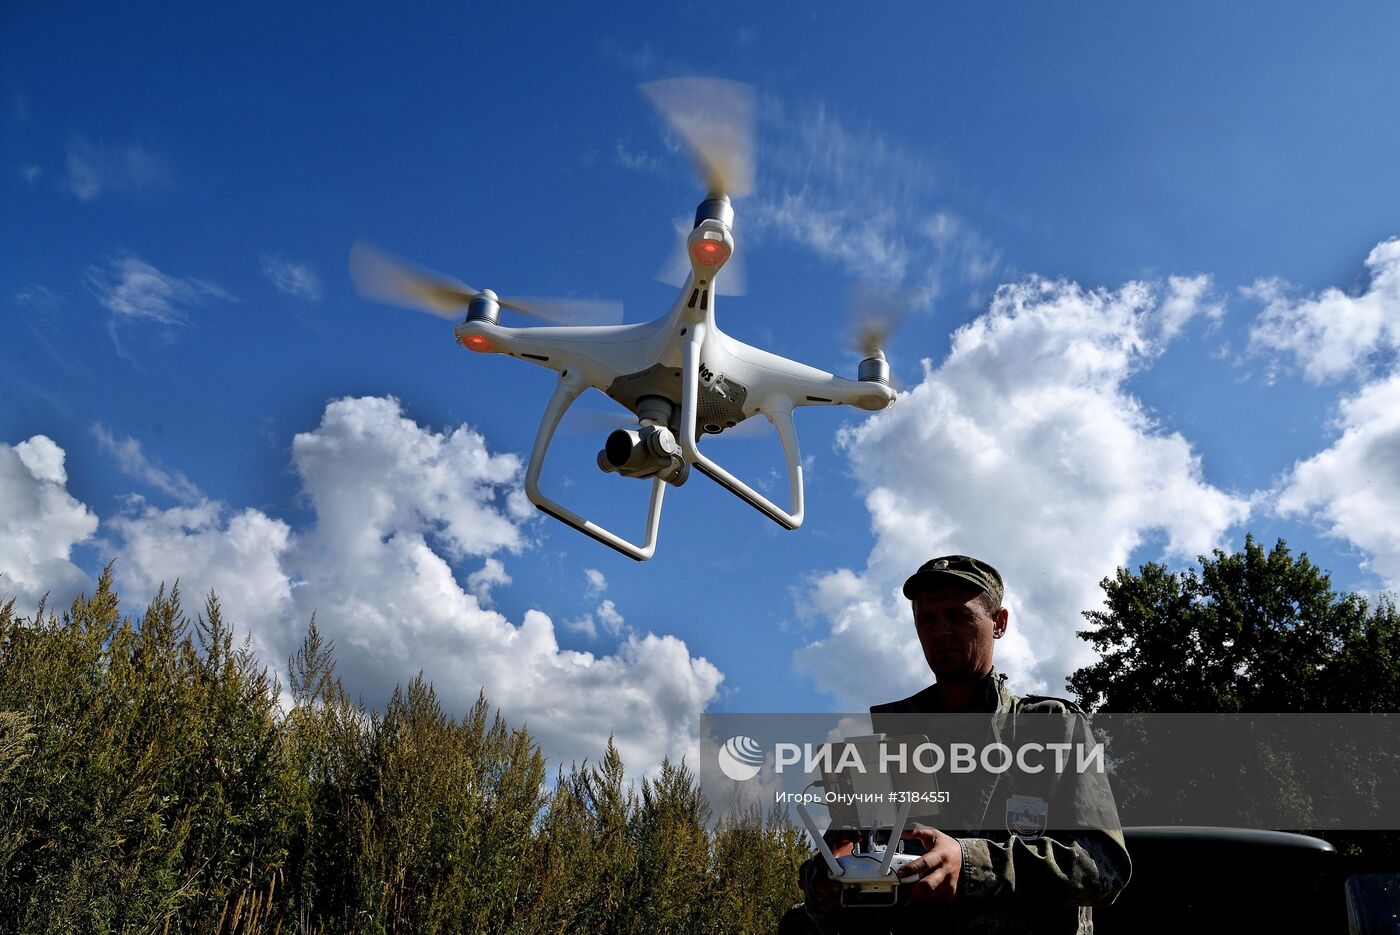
(709, 252)
(476, 342)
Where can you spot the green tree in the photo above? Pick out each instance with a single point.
(668, 835)
(610, 804)
(755, 867)
(147, 795)
(1252, 632)
(322, 755)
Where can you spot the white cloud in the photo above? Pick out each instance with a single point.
(606, 613)
(1024, 448)
(371, 473)
(134, 463)
(634, 161)
(491, 575)
(397, 509)
(295, 279)
(597, 584)
(1187, 297)
(40, 523)
(863, 242)
(240, 555)
(850, 195)
(1352, 488)
(609, 616)
(133, 289)
(39, 297)
(95, 169)
(1332, 334)
(584, 625)
(853, 197)
(31, 173)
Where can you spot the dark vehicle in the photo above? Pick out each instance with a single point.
(1208, 880)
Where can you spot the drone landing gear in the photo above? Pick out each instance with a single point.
(779, 412)
(565, 392)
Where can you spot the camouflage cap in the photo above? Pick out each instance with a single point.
(961, 569)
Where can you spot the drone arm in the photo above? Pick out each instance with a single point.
(565, 392)
(779, 412)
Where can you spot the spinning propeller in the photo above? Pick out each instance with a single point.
(386, 278)
(714, 119)
(876, 310)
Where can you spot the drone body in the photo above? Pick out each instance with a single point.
(680, 376)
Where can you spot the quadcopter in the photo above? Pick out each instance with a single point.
(680, 376)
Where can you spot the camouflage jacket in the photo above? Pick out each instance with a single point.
(1025, 883)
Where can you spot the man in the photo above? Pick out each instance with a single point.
(1067, 852)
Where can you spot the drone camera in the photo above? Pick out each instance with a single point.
(649, 451)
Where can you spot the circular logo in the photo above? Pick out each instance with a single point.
(740, 758)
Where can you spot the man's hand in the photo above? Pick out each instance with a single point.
(940, 866)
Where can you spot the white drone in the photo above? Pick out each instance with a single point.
(680, 376)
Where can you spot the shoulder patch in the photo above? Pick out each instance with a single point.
(1049, 705)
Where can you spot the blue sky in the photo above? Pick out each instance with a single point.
(1164, 310)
